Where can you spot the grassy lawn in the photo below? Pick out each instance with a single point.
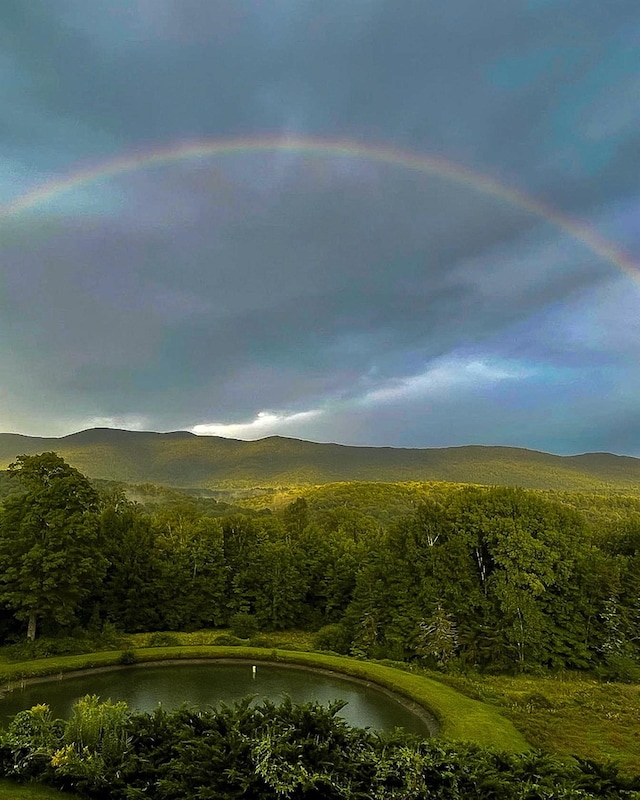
(567, 714)
(286, 640)
(30, 791)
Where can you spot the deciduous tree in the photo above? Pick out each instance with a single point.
(49, 545)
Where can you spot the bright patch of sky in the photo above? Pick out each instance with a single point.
(447, 376)
(266, 423)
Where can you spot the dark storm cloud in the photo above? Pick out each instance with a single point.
(509, 88)
(322, 293)
(209, 291)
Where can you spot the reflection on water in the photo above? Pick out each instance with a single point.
(143, 688)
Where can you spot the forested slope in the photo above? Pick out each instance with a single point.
(182, 459)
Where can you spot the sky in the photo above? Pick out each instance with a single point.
(376, 222)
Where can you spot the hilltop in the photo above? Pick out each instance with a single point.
(182, 459)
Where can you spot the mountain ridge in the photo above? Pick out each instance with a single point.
(182, 458)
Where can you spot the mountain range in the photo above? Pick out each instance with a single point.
(182, 459)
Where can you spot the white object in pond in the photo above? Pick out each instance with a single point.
(254, 669)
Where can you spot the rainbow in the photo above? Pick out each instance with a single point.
(310, 148)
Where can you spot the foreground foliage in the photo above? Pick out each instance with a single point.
(306, 752)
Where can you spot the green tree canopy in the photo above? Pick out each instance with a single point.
(50, 556)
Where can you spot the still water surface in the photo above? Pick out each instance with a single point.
(201, 685)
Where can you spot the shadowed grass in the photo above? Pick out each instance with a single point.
(9, 790)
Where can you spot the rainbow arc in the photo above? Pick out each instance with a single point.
(315, 148)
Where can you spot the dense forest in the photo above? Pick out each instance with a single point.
(498, 579)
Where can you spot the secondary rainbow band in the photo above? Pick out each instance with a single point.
(310, 147)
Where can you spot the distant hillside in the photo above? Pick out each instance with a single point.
(182, 459)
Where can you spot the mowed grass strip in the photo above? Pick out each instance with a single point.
(10, 790)
(460, 717)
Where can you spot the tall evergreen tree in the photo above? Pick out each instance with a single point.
(130, 591)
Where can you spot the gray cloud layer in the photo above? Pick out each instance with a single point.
(399, 307)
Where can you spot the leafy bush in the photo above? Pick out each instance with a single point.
(288, 751)
(620, 668)
(95, 743)
(227, 640)
(162, 639)
(26, 746)
(46, 647)
(332, 637)
(243, 625)
(109, 637)
(81, 642)
(535, 701)
(127, 658)
(259, 641)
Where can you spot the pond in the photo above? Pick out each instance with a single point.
(203, 684)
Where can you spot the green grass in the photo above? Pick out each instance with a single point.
(9, 790)
(567, 714)
(286, 640)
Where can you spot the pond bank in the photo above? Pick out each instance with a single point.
(429, 721)
(459, 717)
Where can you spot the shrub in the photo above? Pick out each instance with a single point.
(259, 641)
(29, 741)
(162, 639)
(96, 741)
(99, 727)
(620, 668)
(109, 637)
(536, 701)
(332, 637)
(243, 625)
(227, 640)
(46, 647)
(127, 658)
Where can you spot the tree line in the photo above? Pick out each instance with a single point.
(491, 578)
